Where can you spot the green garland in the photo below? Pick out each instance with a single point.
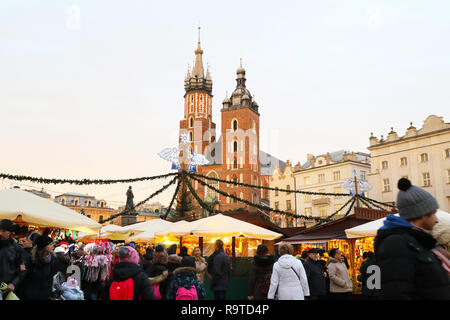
(200, 201)
(124, 212)
(174, 195)
(270, 188)
(256, 205)
(376, 202)
(82, 181)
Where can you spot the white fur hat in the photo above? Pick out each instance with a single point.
(441, 231)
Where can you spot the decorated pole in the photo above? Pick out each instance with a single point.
(356, 192)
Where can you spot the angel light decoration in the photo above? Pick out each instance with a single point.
(193, 158)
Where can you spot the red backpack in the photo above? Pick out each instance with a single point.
(187, 294)
(121, 290)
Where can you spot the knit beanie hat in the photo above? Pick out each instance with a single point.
(160, 254)
(7, 225)
(414, 202)
(43, 241)
(128, 254)
(188, 261)
(172, 249)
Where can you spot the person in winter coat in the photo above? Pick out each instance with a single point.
(220, 271)
(260, 274)
(403, 250)
(174, 260)
(185, 277)
(60, 265)
(26, 242)
(12, 265)
(71, 291)
(316, 276)
(200, 264)
(158, 273)
(288, 280)
(363, 276)
(341, 284)
(40, 280)
(128, 268)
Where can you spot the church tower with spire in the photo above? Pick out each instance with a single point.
(240, 138)
(197, 121)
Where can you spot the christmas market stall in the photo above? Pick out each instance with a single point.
(240, 238)
(35, 213)
(333, 235)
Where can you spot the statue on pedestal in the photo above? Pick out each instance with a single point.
(130, 205)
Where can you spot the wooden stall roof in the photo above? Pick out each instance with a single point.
(336, 229)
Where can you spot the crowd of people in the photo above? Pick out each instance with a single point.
(413, 265)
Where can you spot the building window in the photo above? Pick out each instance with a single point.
(448, 175)
(62, 201)
(323, 211)
(403, 162)
(386, 186)
(306, 181)
(447, 153)
(288, 187)
(88, 215)
(336, 175)
(276, 205)
(235, 163)
(321, 178)
(426, 179)
(424, 157)
(100, 218)
(276, 192)
(288, 204)
(235, 146)
(89, 203)
(308, 212)
(191, 122)
(362, 175)
(307, 198)
(190, 136)
(234, 200)
(235, 125)
(384, 165)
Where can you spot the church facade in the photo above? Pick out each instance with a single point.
(235, 155)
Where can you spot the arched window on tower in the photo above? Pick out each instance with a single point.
(235, 125)
(190, 136)
(209, 192)
(235, 146)
(235, 163)
(191, 122)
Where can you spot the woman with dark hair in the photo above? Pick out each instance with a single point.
(341, 284)
(40, 276)
(158, 273)
(183, 252)
(260, 273)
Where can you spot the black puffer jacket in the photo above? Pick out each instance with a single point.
(142, 289)
(260, 272)
(316, 281)
(409, 269)
(39, 280)
(158, 273)
(11, 257)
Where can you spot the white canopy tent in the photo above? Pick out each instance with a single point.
(220, 225)
(24, 206)
(148, 230)
(370, 229)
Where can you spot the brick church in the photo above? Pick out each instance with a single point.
(235, 155)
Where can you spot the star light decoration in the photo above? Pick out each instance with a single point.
(173, 155)
(349, 185)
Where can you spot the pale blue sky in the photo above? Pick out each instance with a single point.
(102, 98)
